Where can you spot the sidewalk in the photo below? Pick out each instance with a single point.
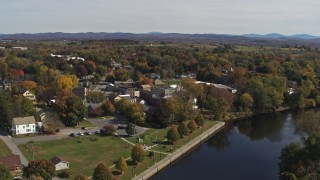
(13, 147)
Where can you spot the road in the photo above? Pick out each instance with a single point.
(13, 147)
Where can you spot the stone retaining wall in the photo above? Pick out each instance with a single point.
(178, 153)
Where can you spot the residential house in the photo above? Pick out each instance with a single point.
(5, 86)
(131, 90)
(12, 164)
(155, 75)
(163, 91)
(59, 163)
(128, 97)
(220, 86)
(81, 92)
(146, 87)
(23, 125)
(150, 98)
(114, 97)
(27, 94)
(92, 107)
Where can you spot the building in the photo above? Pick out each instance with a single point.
(59, 163)
(23, 125)
(81, 92)
(20, 48)
(5, 86)
(29, 95)
(163, 91)
(145, 87)
(220, 86)
(12, 164)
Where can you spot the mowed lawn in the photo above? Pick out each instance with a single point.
(4, 150)
(82, 153)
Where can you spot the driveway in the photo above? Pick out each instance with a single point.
(13, 147)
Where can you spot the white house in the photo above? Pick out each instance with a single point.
(23, 125)
(29, 95)
(59, 163)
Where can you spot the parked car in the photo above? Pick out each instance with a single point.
(80, 134)
(98, 132)
(87, 133)
(72, 135)
(121, 127)
(84, 128)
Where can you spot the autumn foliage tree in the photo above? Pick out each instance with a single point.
(81, 177)
(173, 135)
(192, 125)
(137, 153)
(102, 172)
(42, 167)
(121, 165)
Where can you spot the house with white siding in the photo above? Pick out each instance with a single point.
(23, 125)
(59, 163)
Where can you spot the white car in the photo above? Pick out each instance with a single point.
(80, 134)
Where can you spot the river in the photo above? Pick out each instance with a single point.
(245, 150)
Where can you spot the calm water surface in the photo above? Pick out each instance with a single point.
(245, 150)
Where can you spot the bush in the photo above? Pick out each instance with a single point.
(108, 130)
(66, 173)
(102, 172)
(192, 125)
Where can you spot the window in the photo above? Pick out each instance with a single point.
(23, 127)
(28, 130)
(27, 125)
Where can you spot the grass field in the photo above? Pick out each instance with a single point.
(4, 150)
(82, 153)
(85, 124)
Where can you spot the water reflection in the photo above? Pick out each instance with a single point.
(246, 149)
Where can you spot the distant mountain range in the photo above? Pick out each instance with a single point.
(276, 35)
(272, 39)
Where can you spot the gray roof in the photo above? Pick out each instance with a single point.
(24, 120)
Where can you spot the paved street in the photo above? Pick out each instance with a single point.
(13, 147)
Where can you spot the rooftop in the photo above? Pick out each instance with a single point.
(24, 120)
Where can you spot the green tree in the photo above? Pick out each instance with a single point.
(4, 173)
(74, 112)
(131, 129)
(137, 153)
(102, 172)
(246, 102)
(6, 110)
(108, 108)
(121, 165)
(81, 177)
(23, 106)
(173, 135)
(199, 120)
(308, 122)
(109, 130)
(95, 97)
(192, 125)
(183, 129)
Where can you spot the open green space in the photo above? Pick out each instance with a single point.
(82, 153)
(4, 150)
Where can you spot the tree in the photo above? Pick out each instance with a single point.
(42, 167)
(121, 74)
(173, 135)
(199, 120)
(4, 173)
(308, 122)
(6, 110)
(29, 85)
(121, 165)
(95, 97)
(131, 129)
(81, 177)
(108, 108)
(66, 173)
(137, 153)
(65, 83)
(74, 112)
(192, 125)
(81, 70)
(108, 130)
(183, 129)
(246, 102)
(102, 172)
(23, 106)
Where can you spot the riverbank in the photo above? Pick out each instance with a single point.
(179, 152)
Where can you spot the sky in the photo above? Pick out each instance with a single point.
(179, 16)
